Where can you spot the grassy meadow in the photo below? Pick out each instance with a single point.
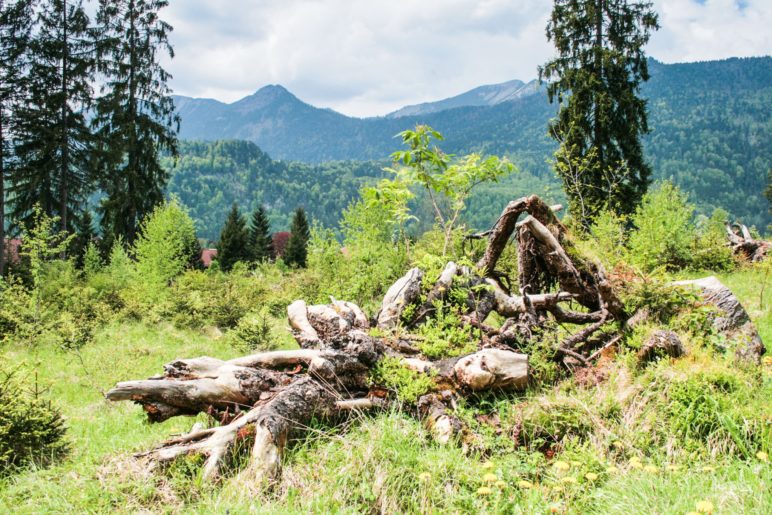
(386, 461)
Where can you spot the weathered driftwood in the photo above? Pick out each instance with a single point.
(744, 245)
(265, 398)
(731, 320)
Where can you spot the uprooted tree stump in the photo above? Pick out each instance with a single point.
(744, 245)
(268, 397)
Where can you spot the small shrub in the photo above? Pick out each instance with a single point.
(444, 335)
(408, 384)
(32, 430)
(608, 239)
(710, 251)
(253, 332)
(664, 230)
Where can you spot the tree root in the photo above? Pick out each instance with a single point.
(269, 397)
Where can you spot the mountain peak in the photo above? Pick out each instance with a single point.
(480, 96)
(271, 94)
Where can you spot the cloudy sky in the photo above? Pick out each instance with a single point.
(369, 57)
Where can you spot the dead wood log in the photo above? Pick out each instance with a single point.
(268, 397)
(744, 245)
(731, 319)
(660, 343)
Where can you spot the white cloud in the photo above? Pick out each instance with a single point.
(369, 57)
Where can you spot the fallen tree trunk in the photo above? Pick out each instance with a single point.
(268, 397)
(731, 319)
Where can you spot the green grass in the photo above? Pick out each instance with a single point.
(375, 462)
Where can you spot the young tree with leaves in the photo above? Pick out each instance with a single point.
(260, 240)
(15, 28)
(595, 78)
(296, 252)
(134, 117)
(53, 141)
(234, 241)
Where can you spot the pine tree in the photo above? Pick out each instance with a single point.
(296, 252)
(85, 237)
(53, 140)
(135, 119)
(15, 27)
(260, 240)
(234, 241)
(599, 66)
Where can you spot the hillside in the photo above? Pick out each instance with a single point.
(711, 129)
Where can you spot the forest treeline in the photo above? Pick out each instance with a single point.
(84, 108)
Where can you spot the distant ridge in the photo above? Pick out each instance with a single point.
(481, 96)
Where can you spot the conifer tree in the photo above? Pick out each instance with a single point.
(15, 27)
(595, 78)
(260, 240)
(296, 252)
(52, 137)
(85, 237)
(135, 119)
(234, 241)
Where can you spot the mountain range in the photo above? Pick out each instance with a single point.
(711, 130)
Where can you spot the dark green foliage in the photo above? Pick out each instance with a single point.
(15, 27)
(53, 141)
(84, 236)
(209, 177)
(134, 117)
(595, 79)
(32, 430)
(407, 384)
(260, 241)
(234, 241)
(296, 252)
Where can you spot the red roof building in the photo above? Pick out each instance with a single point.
(280, 240)
(207, 256)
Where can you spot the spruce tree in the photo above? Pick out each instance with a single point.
(296, 252)
(234, 241)
(260, 241)
(595, 78)
(134, 116)
(85, 237)
(15, 27)
(53, 141)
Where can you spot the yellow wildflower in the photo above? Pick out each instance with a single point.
(575, 463)
(568, 479)
(424, 476)
(767, 360)
(674, 468)
(484, 490)
(763, 456)
(635, 458)
(612, 470)
(651, 469)
(704, 507)
(490, 478)
(524, 484)
(636, 464)
(487, 465)
(501, 484)
(591, 476)
(617, 444)
(561, 465)
(557, 489)
(708, 468)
